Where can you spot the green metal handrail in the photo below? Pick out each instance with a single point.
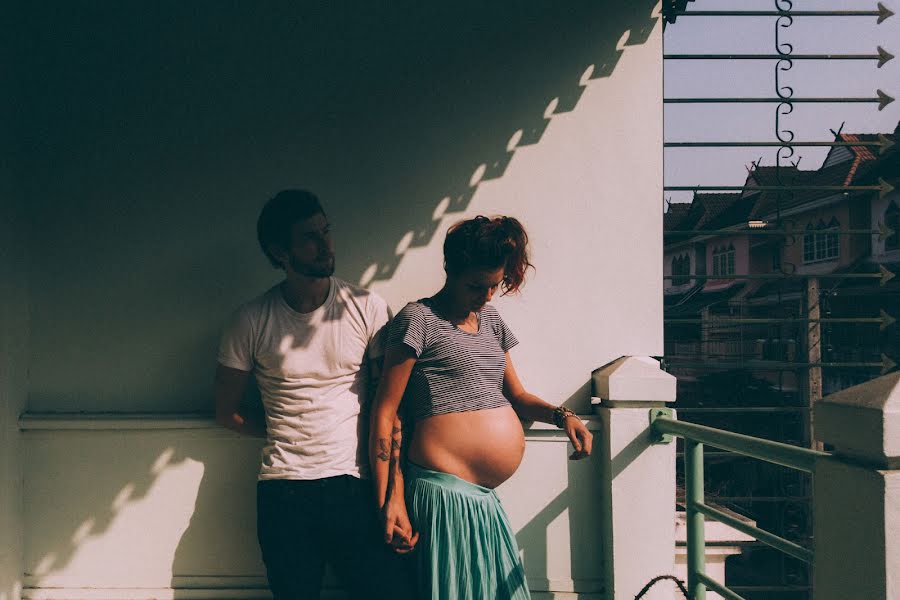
(794, 457)
(663, 424)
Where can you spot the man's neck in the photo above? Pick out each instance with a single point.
(305, 294)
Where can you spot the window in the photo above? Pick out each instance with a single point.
(892, 221)
(681, 269)
(723, 260)
(809, 251)
(833, 239)
(822, 241)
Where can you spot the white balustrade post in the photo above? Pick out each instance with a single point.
(857, 493)
(638, 479)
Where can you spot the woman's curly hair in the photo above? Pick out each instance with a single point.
(489, 243)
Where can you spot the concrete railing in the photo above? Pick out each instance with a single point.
(637, 478)
(856, 550)
(131, 506)
(856, 493)
(151, 493)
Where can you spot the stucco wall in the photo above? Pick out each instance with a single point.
(173, 508)
(762, 254)
(159, 131)
(13, 376)
(13, 319)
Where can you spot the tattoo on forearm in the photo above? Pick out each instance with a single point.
(384, 454)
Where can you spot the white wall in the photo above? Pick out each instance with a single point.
(159, 131)
(135, 525)
(13, 319)
(13, 377)
(586, 194)
(173, 507)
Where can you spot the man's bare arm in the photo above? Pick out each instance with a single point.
(229, 388)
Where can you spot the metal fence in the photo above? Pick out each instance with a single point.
(755, 345)
(695, 436)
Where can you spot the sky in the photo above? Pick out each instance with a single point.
(756, 122)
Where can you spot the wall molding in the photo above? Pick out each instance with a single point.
(256, 588)
(222, 594)
(203, 423)
(30, 421)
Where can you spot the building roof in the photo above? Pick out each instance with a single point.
(738, 211)
(703, 210)
(676, 212)
(713, 206)
(771, 175)
(770, 202)
(724, 210)
(693, 301)
(885, 166)
(862, 152)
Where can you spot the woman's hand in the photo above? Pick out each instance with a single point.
(531, 408)
(581, 438)
(397, 529)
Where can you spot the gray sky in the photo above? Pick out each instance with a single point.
(756, 122)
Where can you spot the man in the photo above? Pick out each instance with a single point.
(312, 343)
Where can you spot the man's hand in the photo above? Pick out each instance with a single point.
(397, 529)
(581, 438)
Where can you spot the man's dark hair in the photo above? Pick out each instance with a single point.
(278, 217)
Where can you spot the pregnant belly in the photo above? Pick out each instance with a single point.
(480, 446)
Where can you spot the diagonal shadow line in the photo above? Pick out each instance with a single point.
(458, 198)
(533, 539)
(100, 522)
(533, 536)
(630, 452)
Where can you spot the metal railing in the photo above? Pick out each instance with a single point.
(749, 332)
(762, 348)
(665, 426)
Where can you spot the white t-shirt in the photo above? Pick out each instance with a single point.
(312, 374)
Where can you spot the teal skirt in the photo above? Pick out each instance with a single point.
(466, 549)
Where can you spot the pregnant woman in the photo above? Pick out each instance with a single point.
(448, 372)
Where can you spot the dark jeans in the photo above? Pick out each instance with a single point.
(303, 524)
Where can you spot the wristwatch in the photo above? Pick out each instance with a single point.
(560, 414)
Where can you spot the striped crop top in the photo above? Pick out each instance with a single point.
(455, 370)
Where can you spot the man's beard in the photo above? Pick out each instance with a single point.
(323, 268)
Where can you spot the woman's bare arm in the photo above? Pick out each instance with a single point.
(395, 472)
(384, 445)
(532, 408)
